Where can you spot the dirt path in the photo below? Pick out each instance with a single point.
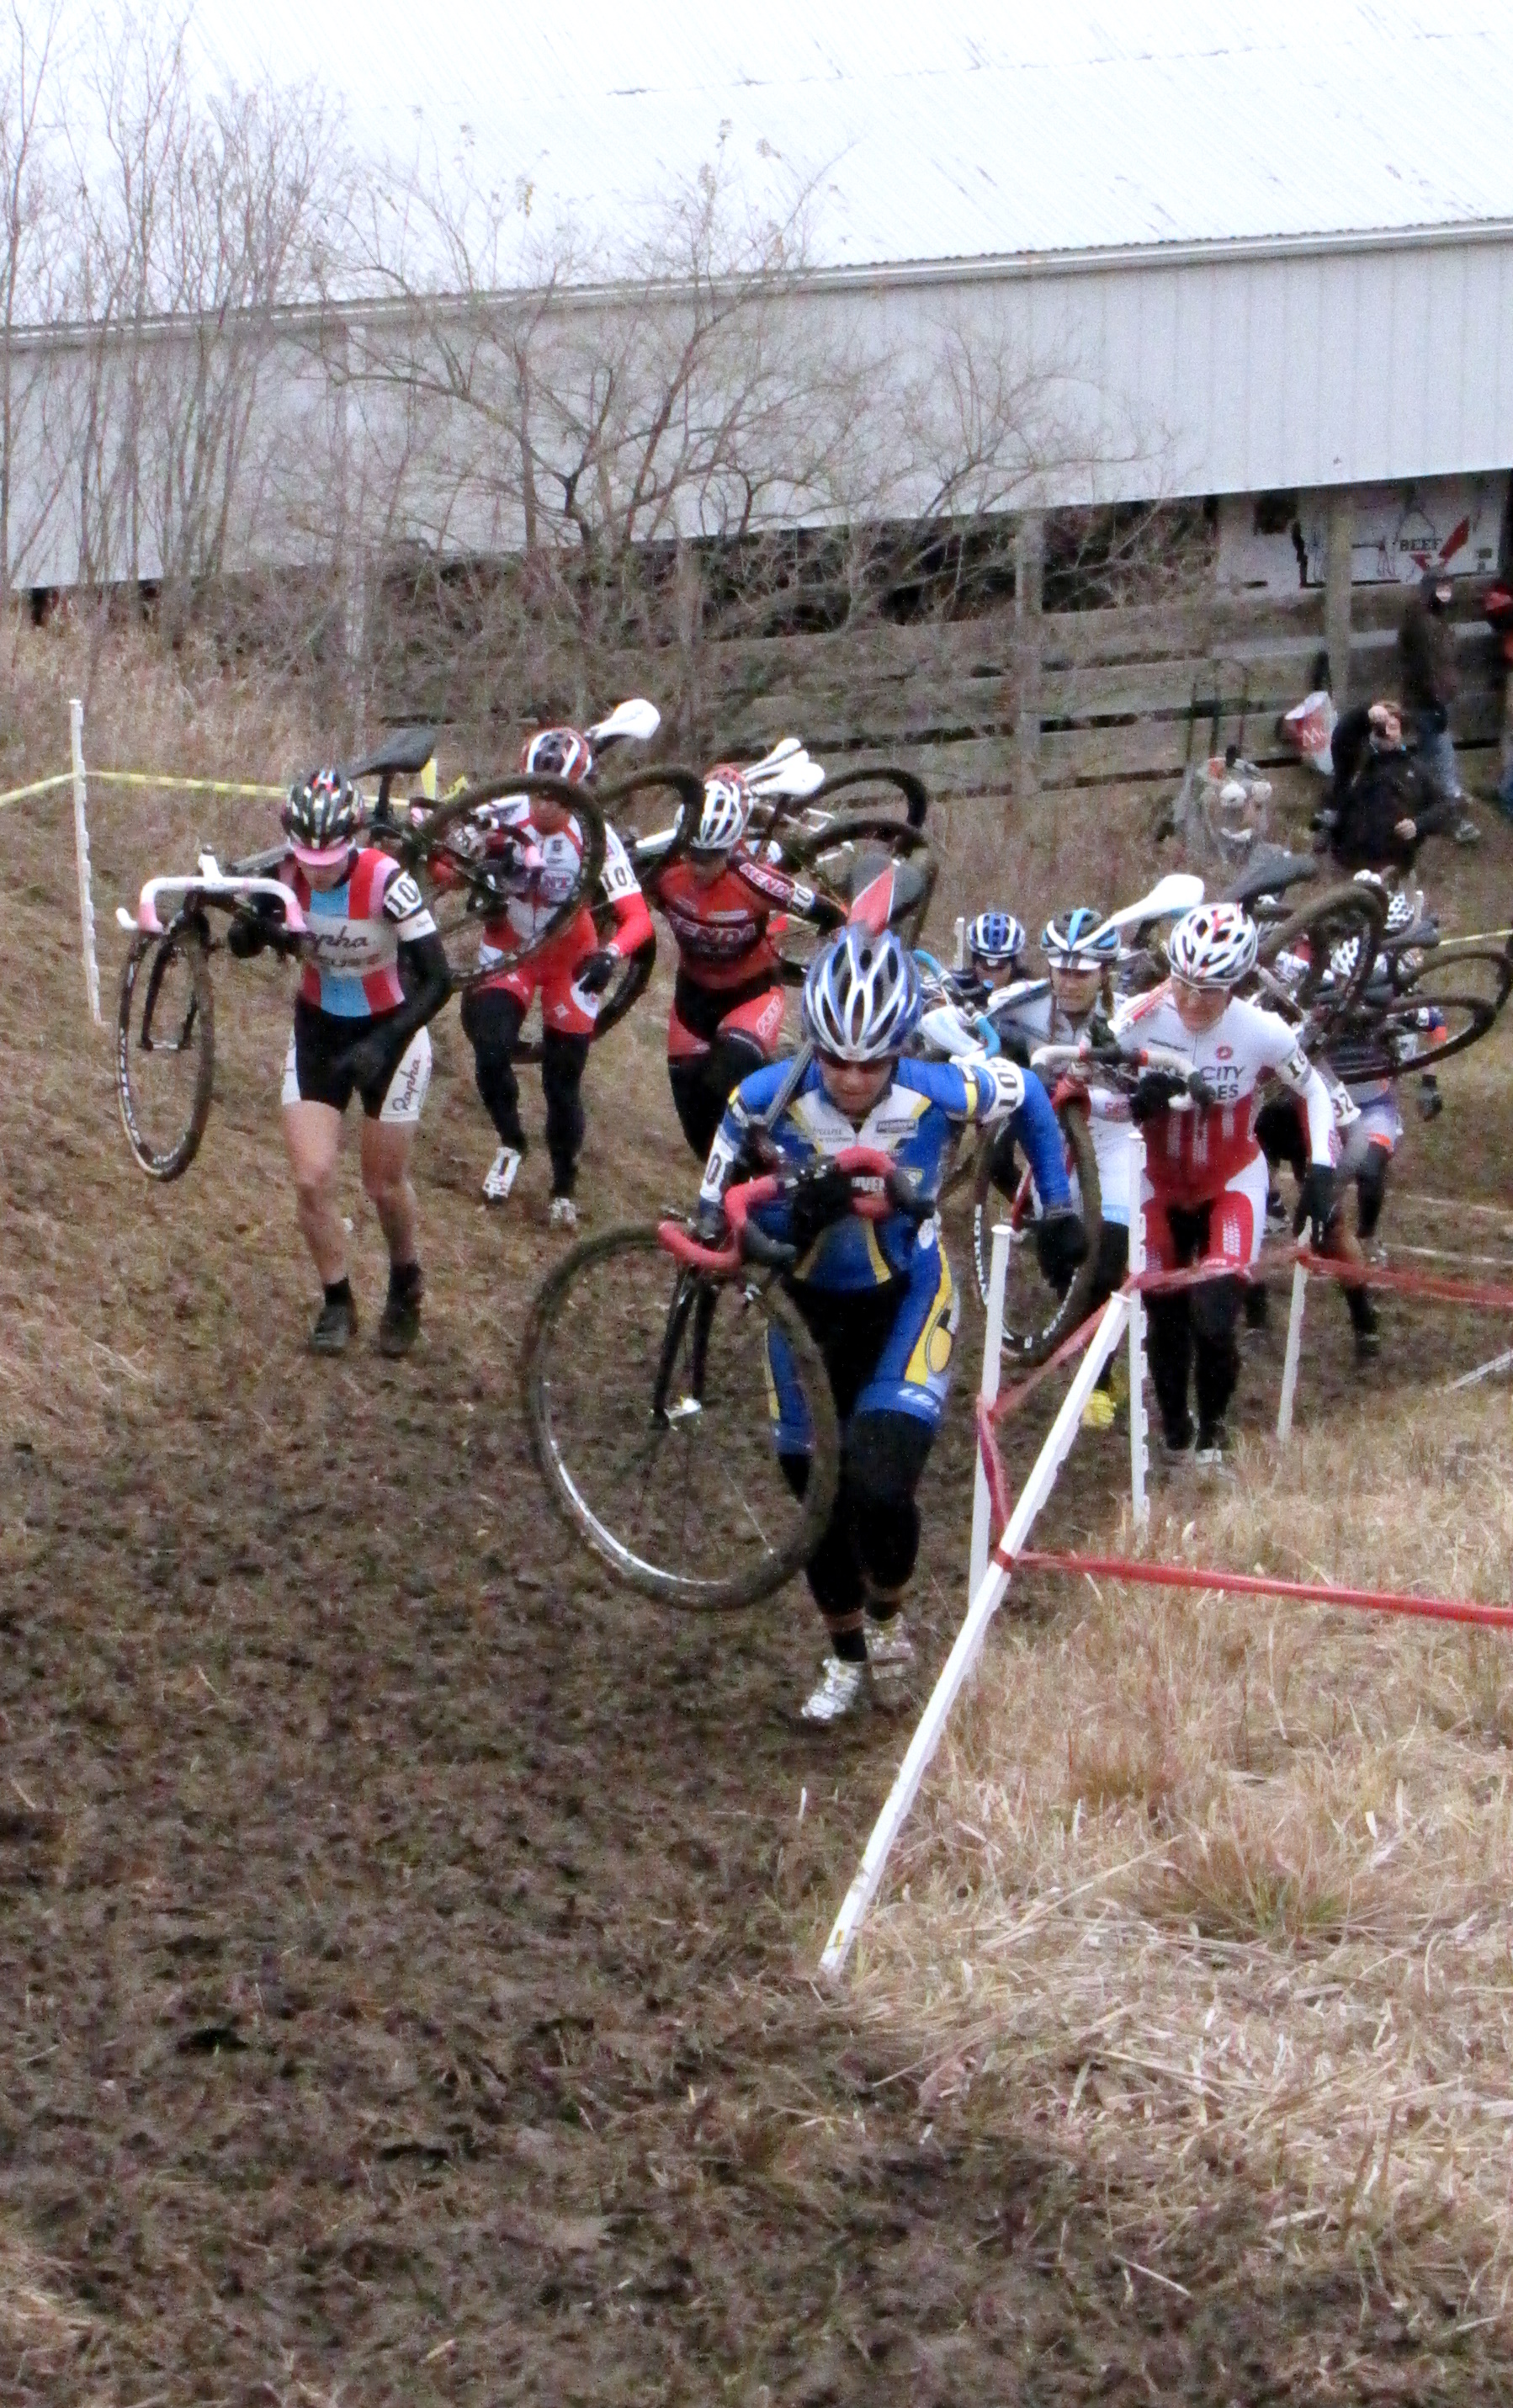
(408, 1943)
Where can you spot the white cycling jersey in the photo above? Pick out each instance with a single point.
(1031, 1010)
(1196, 1151)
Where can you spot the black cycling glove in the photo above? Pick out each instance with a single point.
(710, 1226)
(245, 939)
(1155, 1092)
(375, 1058)
(1060, 1243)
(819, 1200)
(1315, 1203)
(595, 970)
(259, 922)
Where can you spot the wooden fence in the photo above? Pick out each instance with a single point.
(1124, 694)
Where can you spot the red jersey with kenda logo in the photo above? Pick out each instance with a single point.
(721, 925)
(1193, 1150)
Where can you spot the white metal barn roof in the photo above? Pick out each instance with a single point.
(955, 129)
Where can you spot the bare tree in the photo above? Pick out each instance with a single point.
(30, 264)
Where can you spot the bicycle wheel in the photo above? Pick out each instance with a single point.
(460, 907)
(1312, 933)
(654, 1399)
(1443, 1009)
(1035, 1318)
(166, 1047)
(1482, 972)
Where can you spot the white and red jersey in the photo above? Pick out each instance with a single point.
(1191, 1153)
(720, 926)
(351, 969)
(538, 872)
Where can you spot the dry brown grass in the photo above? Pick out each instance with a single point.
(1225, 1884)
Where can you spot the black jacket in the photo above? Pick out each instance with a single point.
(1373, 790)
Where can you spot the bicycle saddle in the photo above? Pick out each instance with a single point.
(908, 877)
(1270, 870)
(405, 754)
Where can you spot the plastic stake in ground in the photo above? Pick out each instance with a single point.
(1139, 1419)
(959, 961)
(992, 1348)
(1289, 1360)
(81, 855)
(1483, 1372)
(970, 1639)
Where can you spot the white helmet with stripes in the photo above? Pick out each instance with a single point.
(727, 807)
(861, 996)
(1214, 945)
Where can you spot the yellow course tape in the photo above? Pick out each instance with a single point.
(142, 777)
(42, 786)
(182, 785)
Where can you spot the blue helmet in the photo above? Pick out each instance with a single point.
(1077, 940)
(996, 937)
(861, 996)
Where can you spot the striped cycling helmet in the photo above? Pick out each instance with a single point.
(727, 807)
(996, 937)
(323, 818)
(1077, 940)
(1213, 946)
(861, 998)
(557, 752)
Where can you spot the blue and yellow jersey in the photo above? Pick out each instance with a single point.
(916, 1121)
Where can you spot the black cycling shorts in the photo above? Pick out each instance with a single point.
(318, 1065)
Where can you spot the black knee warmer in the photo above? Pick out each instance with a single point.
(1215, 1309)
(562, 1073)
(492, 1024)
(1371, 1190)
(1169, 1353)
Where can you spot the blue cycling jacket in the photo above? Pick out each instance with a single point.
(916, 1121)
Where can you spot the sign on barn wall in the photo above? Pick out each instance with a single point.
(1275, 543)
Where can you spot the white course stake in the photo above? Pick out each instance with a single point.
(963, 1655)
(1483, 1372)
(992, 1348)
(81, 855)
(1289, 1360)
(960, 962)
(1139, 1419)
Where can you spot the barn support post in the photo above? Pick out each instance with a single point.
(1341, 523)
(1029, 598)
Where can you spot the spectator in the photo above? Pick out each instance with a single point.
(1384, 802)
(1427, 668)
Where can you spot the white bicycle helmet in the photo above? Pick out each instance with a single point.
(1077, 940)
(558, 752)
(1213, 946)
(727, 807)
(861, 998)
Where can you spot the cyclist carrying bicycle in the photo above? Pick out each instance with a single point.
(1206, 1174)
(1075, 998)
(878, 1294)
(375, 974)
(532, 849)
(727, 1009)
